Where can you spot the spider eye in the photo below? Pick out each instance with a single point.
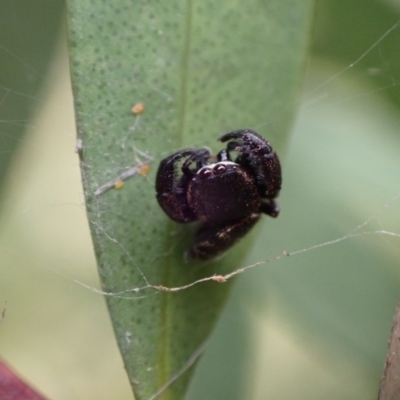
(220, 168)
(205, 172)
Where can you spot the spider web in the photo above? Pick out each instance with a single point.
(359, 189)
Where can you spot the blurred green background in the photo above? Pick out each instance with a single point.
(313, 325)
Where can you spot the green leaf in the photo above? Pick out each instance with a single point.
(201, 69)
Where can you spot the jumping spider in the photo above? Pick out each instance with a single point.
(227, 197)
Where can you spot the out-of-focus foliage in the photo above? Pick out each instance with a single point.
(27, 40)
(369, 29)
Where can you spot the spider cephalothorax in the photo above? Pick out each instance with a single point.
(226, 197)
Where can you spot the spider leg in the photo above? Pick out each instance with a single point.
(247, 136)
(171, 189)
(211, 241)
(269, 207)
(257, 155)
(200, 157)
(224, 155)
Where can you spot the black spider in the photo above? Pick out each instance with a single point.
(227, 197)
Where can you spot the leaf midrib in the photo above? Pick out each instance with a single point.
(165, 320)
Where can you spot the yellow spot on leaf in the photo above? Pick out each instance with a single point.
(144, 169)
(119, 185)
(138, 108)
